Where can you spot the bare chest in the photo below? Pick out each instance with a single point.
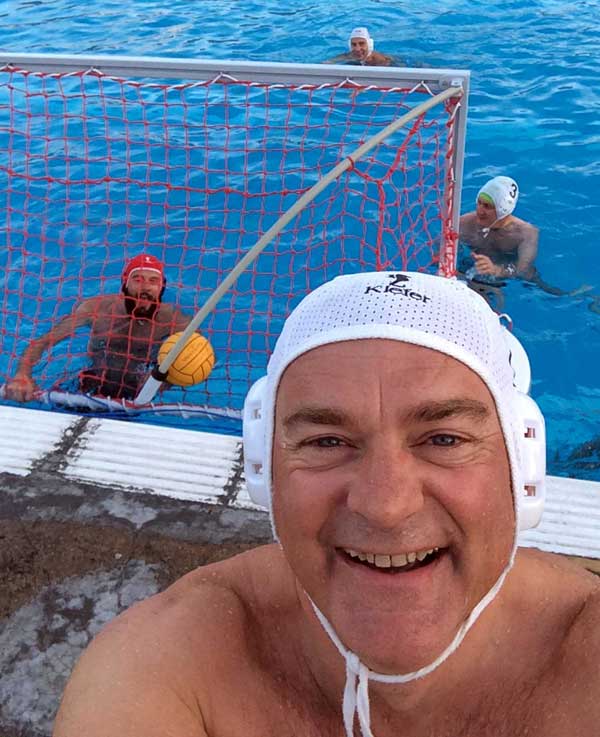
(495, 242)
(525, 713)
(116, 334)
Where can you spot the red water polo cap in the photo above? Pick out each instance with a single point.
(143, 261)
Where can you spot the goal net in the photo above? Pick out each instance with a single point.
(101, 162)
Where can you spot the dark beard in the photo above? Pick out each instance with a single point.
(142, 313)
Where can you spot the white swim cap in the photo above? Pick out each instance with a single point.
(425, 310)
(504, 193)
(361, 32)
(430, 311)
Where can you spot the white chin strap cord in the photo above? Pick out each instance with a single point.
(486, 231)
(356, 694)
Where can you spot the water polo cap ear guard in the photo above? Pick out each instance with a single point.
(531, 452)
(254, 442)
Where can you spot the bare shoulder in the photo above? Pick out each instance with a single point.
(582, 645)
(226, 595)
(101, 304)
(379, 59)
(169, 314)
(468, 223)
(548, 574)
(163, 654)
(468, 218)
(523, 227)
(574, 676)
(568, 597)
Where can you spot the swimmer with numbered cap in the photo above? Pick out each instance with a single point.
(502, 245)
(397, 451)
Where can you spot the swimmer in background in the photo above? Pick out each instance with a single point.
(502, 246)
(361, 51)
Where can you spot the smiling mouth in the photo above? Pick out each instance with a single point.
(399, 563)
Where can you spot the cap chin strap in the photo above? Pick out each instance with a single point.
(356, 690)
(486, 231)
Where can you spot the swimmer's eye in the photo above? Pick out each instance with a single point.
(149, 280)
(445, 440)
(327, 441)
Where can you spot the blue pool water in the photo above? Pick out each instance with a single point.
(534, 104)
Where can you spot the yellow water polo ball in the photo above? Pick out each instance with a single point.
(194, 362)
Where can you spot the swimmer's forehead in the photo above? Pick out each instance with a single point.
(486, 199)
(147, 273)
(391, 345)
(318, 367)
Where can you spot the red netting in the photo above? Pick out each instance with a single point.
(97, 170)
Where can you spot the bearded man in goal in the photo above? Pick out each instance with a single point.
(127, 330)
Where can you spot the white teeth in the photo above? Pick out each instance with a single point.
(399, 560)
(383, 561)
(391, 561)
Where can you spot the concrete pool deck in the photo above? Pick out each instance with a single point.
(87, 529)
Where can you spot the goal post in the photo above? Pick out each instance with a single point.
(104, 158)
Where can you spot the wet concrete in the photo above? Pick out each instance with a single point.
(72, 556)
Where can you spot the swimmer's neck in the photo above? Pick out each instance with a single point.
(497, 224)
(502, 222)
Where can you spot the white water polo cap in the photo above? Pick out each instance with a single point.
(430, 311)
(361, 32)
(503, 192)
